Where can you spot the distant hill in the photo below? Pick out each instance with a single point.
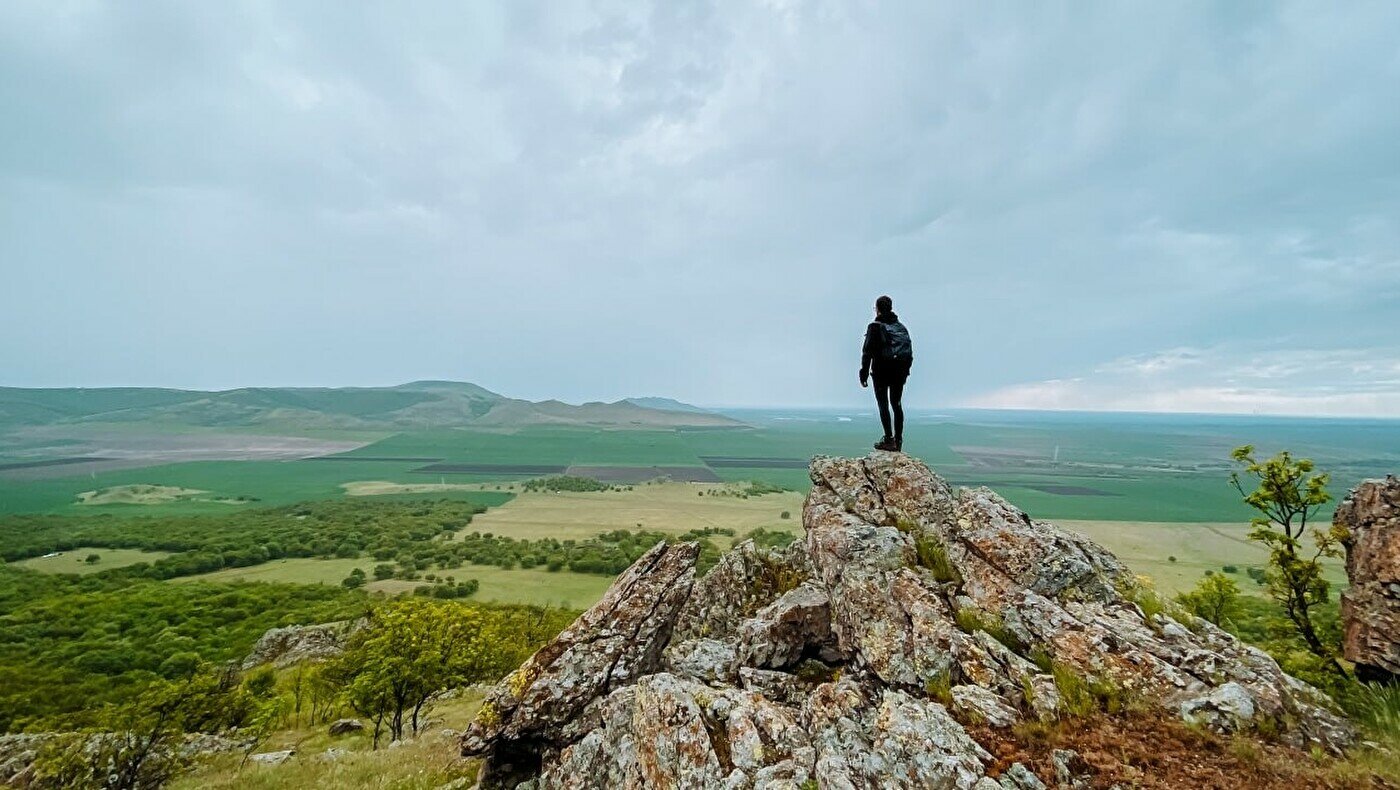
(419, 404)
(667, 404)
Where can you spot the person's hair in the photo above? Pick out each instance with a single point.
(884, 304)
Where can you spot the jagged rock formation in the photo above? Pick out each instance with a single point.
(854, 658)
(1370, 519)
(283, 647)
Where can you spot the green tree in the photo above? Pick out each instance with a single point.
(1288, 495)
(138, 746)
(1216, 598)
(93, 559)
(412, 650)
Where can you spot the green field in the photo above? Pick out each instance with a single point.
(75, 560)
(1146, 548)
(562, 589)
(269, 483)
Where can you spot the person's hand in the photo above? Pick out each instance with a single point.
(864, 379)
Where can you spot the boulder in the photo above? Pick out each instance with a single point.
(346, 726)
(273, 758)
(854, 658)
(292, 644)
(1369, 520)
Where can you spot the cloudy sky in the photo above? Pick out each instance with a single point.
(1156, 206)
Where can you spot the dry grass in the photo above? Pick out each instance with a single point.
(426, 762)
(1147, 750)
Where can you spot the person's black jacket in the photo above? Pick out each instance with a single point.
(871, 353)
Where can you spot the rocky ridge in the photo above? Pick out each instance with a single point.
(292, 644)
(854, 658)
(1370, 520)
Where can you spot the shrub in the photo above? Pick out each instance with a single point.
(932, 555)
(1140, 592)
(939, 688)
(1215, 599)
(1082, 695)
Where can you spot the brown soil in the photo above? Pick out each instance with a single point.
(1152, 751)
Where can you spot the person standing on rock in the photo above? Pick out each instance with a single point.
(886, 357)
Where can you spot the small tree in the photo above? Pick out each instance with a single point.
(410, 652)
(322, 692)
(1288, 496)
(138, 746)
(1215, 598)
(93, 559)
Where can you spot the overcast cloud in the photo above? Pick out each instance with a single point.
(1116, 205)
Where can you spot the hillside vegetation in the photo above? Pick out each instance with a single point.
(420, 404)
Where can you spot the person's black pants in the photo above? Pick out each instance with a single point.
(889, 391)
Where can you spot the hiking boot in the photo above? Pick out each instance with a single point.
(888, 444)
(899, 444)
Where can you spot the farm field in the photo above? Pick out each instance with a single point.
(265, 483)
(1147, 468)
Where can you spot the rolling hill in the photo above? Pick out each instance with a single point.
(419, 404)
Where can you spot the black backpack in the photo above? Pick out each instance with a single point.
(897, 346)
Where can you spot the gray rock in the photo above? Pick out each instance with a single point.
(1229, 708)
(705, 660)
(346, 726)
(781, 632)
(781, 687)
(273, 758)
(1066, 777)
(977, 704)
(1019, 777)
(283, 647)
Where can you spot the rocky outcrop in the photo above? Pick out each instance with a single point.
(283, 647)
(18, 751)
(346, 726)
(855, 658)
(1369, 519)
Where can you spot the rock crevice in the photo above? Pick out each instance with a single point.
(854, 658)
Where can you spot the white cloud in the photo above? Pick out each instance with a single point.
(1333, 382)
(595, 199)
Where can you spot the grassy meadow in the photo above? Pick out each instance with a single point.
(75, 560)
(560, 589)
